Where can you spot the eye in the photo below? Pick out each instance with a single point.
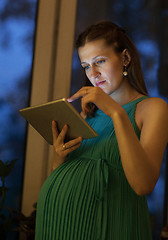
(86, 67)
(100, 61)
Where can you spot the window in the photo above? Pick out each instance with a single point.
(17, 27)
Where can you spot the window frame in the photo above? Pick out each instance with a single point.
(51, 79)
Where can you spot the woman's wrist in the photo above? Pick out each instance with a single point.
(117, 112)
(57, 161)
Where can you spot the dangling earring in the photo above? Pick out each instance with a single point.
(125, 73)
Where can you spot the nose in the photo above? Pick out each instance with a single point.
(94, 73)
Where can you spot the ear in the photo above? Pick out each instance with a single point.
(126, 57)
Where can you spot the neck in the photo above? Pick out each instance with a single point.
(126, 95)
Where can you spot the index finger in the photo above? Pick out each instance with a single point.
(82, 92)
(54, 130)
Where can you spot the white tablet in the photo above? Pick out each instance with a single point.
(41, 116)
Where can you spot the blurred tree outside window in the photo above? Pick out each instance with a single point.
(17, 28)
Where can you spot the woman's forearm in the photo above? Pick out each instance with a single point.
(139, 170)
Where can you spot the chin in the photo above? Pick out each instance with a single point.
(106, 91)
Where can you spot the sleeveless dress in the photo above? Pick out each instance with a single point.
(88, 197)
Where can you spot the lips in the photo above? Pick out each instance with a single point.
(100, 83)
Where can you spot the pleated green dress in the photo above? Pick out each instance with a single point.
(88, 197)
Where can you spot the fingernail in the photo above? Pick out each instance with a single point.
(69, 100)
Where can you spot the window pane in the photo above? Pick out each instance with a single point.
(17, 27)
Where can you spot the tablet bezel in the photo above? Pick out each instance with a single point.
(41, 116)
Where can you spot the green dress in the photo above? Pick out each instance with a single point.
(88, 197)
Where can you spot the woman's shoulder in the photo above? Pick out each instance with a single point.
(152, 104)
(151, 108)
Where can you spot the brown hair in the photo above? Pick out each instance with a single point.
(115, 36)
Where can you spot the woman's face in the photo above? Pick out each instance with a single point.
(102, 65)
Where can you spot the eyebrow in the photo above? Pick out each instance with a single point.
(94, 58)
